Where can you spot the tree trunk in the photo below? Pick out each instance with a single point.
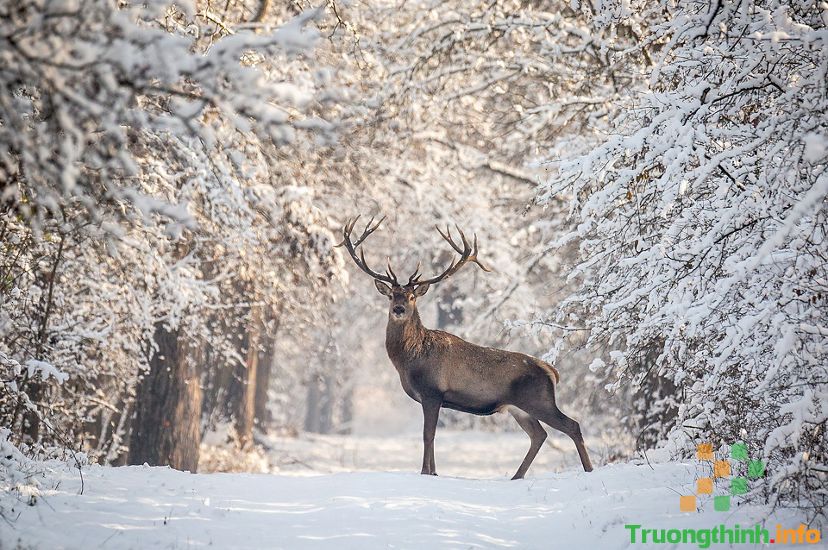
(245, 413)
(229, 384)
(312, 406)
(166, 428)
(267, 351)
(326, 414)
(654, 400)
(219, 385)
(31, 418)
(261, 412)
(346, 411)
(320, 405)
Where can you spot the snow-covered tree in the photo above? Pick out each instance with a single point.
(700, 216)
(138, 179)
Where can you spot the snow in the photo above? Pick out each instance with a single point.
(363, 505)
(45, 370)
(816, 146)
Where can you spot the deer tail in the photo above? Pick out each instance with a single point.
(550, 370)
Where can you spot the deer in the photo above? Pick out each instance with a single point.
(441, 370)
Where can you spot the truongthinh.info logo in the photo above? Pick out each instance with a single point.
(750, 470)
(736, 475)
(721, 534)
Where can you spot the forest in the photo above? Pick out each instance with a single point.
(645, 180)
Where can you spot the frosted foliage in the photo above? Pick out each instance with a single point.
(139, 191)
(701, 224)
(82, 80)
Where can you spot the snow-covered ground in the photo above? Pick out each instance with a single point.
(457, 453)
(360, 492)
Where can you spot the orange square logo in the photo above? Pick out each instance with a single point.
(721, 468)
(704, 486)
(687, 503)
(704, 451)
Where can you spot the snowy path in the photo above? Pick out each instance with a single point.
(463, 454)
(142, 507)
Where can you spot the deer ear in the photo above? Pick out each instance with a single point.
(420, 290)
(383, 288)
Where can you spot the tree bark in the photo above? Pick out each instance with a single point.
(245, 414)
(267, 351)
(166, 428)
(264, 364)
(320, 405)
(31, 418)
(313, 406)
(229, 384)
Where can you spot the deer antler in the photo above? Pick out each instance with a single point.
(390, 277)
(468, 253)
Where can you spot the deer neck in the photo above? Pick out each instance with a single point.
(405, 339)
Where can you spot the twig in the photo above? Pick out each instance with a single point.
(65, 441)
(643, 452)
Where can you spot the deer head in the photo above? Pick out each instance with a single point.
(403, 298)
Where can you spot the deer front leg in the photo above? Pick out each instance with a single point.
(431, 412)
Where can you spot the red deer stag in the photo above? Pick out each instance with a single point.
(438, 369)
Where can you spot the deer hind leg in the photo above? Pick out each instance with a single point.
(559, 421)
(536, 434)
(431, 413)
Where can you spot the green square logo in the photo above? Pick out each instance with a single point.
(756, 469)
(738, 486)
(739, 451)
(721, 503)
